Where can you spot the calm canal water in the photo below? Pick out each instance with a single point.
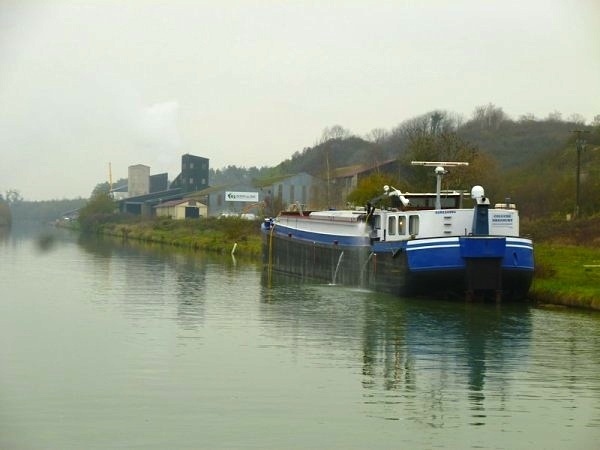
(105, 345)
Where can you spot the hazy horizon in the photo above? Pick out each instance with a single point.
(249, 83)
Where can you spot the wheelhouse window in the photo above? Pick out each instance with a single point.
(413, 225)
(391, 229)
(402, 225)
(376, 222)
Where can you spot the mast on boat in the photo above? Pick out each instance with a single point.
(440, 171)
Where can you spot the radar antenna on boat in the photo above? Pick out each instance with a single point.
(440, 171)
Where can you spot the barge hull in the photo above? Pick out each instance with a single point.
(389, 271)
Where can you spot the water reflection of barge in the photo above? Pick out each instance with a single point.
(423, 244)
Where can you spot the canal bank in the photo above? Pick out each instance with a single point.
(224, 235)
(567, 272)
(567, 260)
(566, 275)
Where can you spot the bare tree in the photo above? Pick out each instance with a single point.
(554, 116)
(377, 135)
(335, 132)
(412, 129)
(576, 118)
(329, 134)
(429, 124)
(489, 117)
(13, 196)
(527, 117)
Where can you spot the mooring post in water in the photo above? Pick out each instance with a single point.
(270, 263)
(233, 249)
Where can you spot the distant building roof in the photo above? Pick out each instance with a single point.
(221, 187)
(272, 180)
(357, 169)
(122, 188)
(347, 171)
(174, 202)
(154, 197)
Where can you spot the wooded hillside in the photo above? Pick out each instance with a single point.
(531, 161)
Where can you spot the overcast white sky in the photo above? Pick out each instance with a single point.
(249, 83)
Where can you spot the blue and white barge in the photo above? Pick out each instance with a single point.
(426, 244)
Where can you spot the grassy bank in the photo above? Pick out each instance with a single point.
(567, 275)
(211, 234)
(567, 254)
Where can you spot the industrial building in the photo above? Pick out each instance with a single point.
(151, 195)
(145, 191)
(266, 197)
(181, 209)
(194, 174)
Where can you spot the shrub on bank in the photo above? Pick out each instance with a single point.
(99, 210)
(580, 232)
(211, 234)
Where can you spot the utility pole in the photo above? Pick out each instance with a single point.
(328, 173)
(580, 144)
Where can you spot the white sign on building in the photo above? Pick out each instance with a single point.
(241, 196)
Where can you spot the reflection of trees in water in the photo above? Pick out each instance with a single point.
(190, 286)
(431, 347)
(150, 274)
(385, 355)
(97, 245)
(44, 236)
(571, 359)
(128, 274)
(329, 317)
(418, 357)
(4, 233)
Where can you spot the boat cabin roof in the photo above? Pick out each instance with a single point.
(417, 201)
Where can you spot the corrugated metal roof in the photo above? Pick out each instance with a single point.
(178, 202)
(272, 180)
(349, 171)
